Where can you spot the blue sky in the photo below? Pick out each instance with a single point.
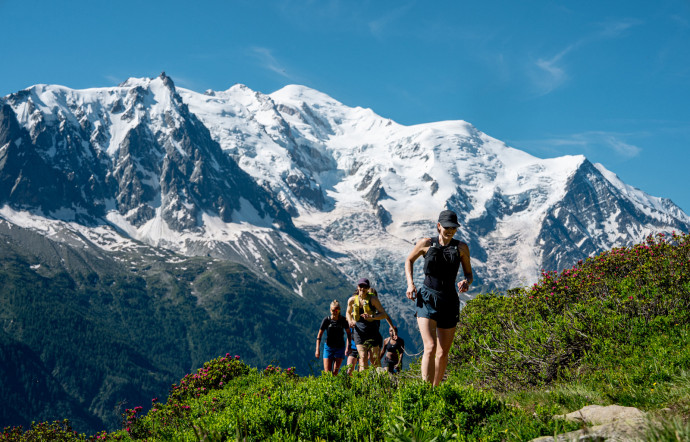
(606, 79)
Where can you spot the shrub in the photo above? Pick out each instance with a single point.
(212, 376)
(626, 305)
(60, 431)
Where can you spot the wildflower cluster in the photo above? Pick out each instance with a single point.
(536, 335)
(212, 376)
(656, 273)
(133, 424)
(275, 370)
(60, 431)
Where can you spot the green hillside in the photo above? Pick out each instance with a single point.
(613, 329)
(85, 334)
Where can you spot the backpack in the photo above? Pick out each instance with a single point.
(366, 305)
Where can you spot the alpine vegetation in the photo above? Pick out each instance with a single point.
(611, 330)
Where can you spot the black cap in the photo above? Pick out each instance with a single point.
(364, 282)
(448, 219)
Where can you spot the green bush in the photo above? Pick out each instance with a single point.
(212, 376)
(59, 431)
(627, 307)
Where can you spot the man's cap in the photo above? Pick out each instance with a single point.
(363, 281)
(448, 219)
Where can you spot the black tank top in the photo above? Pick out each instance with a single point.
(396, 349)
(441, 265)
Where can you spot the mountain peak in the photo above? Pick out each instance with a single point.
(134, 82)
(149, 83)
(167, 81)
(303, 94)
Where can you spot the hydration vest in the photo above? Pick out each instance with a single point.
(366, 306)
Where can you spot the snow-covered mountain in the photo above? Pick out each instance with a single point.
(368, 187)
(294, 181)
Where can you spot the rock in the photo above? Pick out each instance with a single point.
(611, 423)
(597, 414)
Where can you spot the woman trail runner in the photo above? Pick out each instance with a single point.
(437, 302)
(392, 351)
(335, 349)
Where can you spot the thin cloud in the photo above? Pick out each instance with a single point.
(548, 74)
(614, 29)
(184, 82)
(268, 61)
(680, 20)
(586, 143)
(621, 147)
(378, 26)
(112, 78)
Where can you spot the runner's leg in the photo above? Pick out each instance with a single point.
(427, 327)
(336, 366)
(327, 364)
(363, 357)
(351, 362)
(374, 356)
(445, 341)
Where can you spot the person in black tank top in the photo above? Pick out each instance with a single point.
(392, 351)
(335, 349)
(437, 303)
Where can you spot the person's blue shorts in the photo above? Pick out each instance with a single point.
(333, 353)
(444, 308)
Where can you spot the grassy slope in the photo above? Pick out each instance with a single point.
(613, 329)
(85, 334)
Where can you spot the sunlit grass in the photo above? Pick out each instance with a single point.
(613, 329)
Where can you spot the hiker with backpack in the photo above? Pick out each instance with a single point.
(364, 311)
(335, 349)
(437, 302)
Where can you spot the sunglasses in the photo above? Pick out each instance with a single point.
(362, 286)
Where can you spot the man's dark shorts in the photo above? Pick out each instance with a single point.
(444, 308)
(371, 339)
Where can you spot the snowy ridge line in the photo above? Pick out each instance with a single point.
(361, 186)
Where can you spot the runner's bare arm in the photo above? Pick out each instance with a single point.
(318, 344)
(420, 249)
(348, 313)
(464, 285)
(348, 347)
(382, 313)
(385, 342)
